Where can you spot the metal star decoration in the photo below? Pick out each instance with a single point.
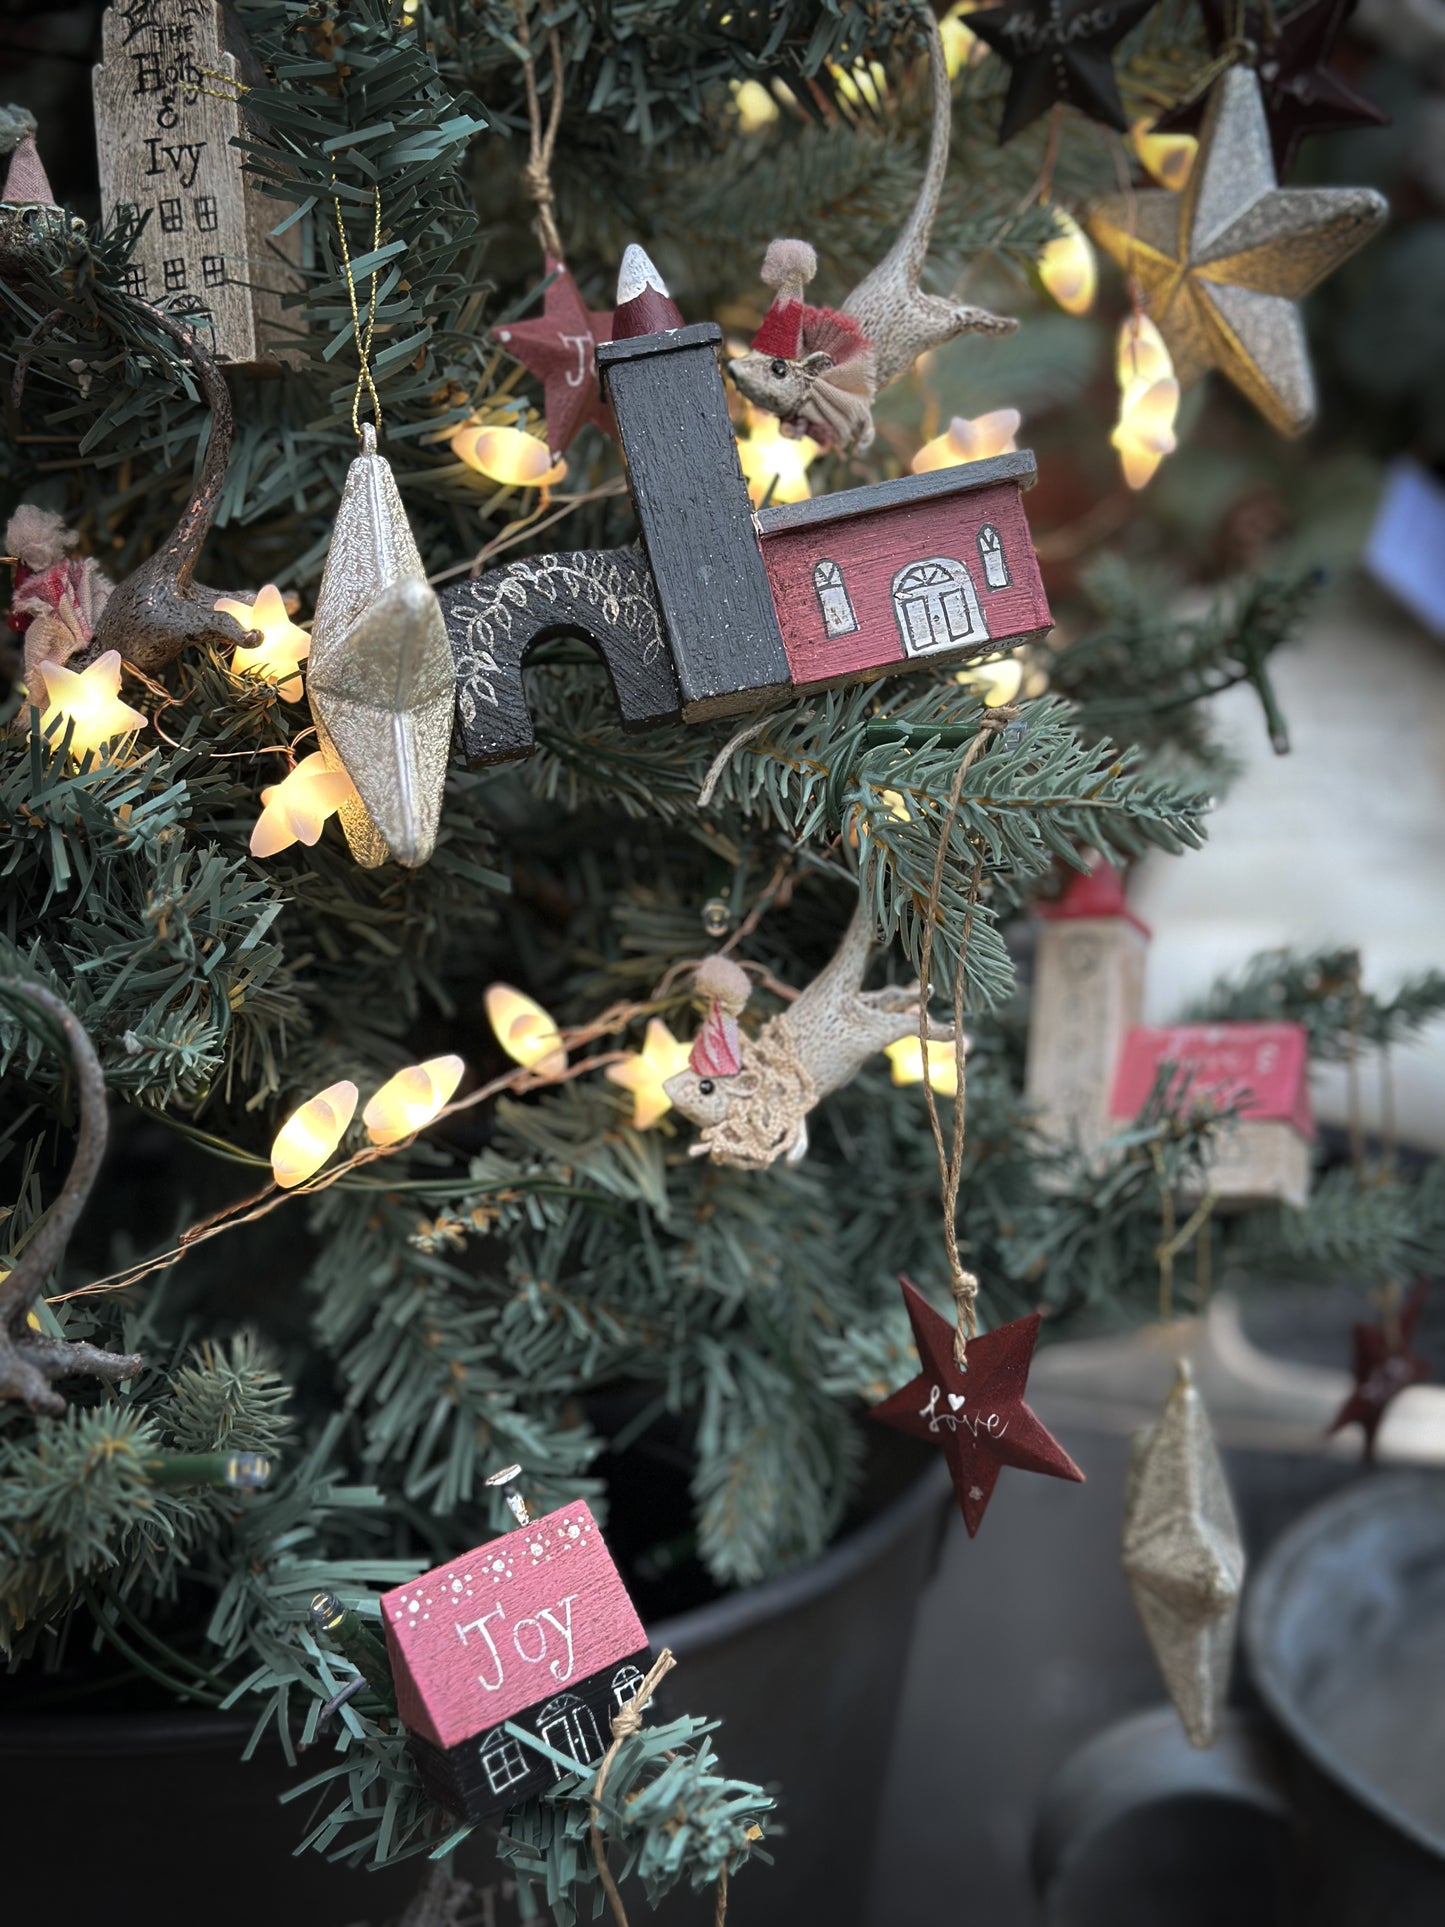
(1183, 1557)
(1301, 95)
(1059, 50)
(979, 1417)
(1385, 1364)
(560, 349)
(381, 684)
(1222, 264)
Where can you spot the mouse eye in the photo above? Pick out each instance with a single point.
(705, 1086)
(779, 369)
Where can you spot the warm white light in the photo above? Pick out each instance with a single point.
(996, 682)
(1068, 266)
(775, 465)
(961, 45)
(756, 107)
(907, 1060)
(507, 455)
(1148, 400)
(969, 441)
(295, 810)
(526, 1032)
(646, 1071)
(861, 85)
(89, 699)
(409, 1101)
(283, 646)
(1168, 158)
(309, 1136)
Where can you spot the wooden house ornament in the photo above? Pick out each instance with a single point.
(168, 105)
(1088, 994)
(1265, 1157)
(533, 1634)
(722, 610)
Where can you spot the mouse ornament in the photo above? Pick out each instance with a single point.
(752, 1095)
(819, 370)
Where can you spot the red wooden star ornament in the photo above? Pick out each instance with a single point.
(1385, 1363)
(978, 1417)
(560, 348)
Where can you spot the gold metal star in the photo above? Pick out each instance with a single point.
(1223, 263)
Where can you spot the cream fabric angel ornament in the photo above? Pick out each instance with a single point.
(752, 1095)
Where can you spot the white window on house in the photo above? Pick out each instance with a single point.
(937, 606)
(568, 1726)
(991, 555)
(625, 1684)
(503, 1760)
(838, 616)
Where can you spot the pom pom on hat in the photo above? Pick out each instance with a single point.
(788, 266)
(723, 982)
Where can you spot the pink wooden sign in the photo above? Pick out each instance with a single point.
(951, 576)
(1265, 1064)
(479, 1640)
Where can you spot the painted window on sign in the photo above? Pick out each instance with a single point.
(937, 606)
(838, 616)
(625, 1684)
(991, 555)
(502, 1760)
(567, 1725)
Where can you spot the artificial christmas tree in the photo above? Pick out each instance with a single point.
(376, 1209)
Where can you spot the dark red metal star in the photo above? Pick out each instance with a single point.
(1384, 1365)
(1302, 96)
(560, 348)
(979, 1417)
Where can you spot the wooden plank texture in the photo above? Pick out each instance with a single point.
(945, 575)
(697, 523)
(508, 1626)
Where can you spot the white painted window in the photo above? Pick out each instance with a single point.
(833, 600)
(503, 1761)
(991, 555)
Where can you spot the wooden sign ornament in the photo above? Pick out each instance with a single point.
(722, 610)
(819, 370)
(531, 1637)
(168, 110)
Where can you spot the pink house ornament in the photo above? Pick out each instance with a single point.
(1261, 1068)
(533, 1631)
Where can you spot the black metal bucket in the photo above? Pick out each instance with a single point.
(1333, 1818)
(805, 1672)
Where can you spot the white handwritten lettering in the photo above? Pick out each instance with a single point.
(480, 1626)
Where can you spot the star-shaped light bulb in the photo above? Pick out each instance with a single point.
(1167, 158)
(409, 1101)
(507, 455)
(961, 45)
(1068, 266)
(89, 702)
(756, 107)
(295, 810)
(906, 1059)
(310, 1135)
(969, 441)
(775, 465)
(996, 682)
(284, 645)
(646, 1071)
(1148, 400)
(527, 1033)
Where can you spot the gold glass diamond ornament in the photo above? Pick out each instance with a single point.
(1183, 1557)
(1222, 263)
(380, 679)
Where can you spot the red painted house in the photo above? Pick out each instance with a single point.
(937, 566)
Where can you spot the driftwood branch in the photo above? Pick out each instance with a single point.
(30, 1360)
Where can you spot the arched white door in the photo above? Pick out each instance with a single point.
(937, 606)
